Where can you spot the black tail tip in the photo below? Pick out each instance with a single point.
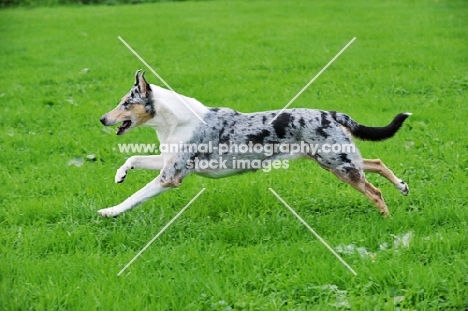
(401, 117)
(381, 133)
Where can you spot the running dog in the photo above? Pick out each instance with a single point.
(180, 120)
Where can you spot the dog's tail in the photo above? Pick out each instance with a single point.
(370, 133)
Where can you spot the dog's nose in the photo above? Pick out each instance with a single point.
(103, 120)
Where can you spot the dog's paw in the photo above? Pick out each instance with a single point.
(108, 212)
(120, 175)
(403, 187)
(386, 214)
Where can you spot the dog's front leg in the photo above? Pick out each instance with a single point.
(152, 162)
(152, 189)
(175, 170)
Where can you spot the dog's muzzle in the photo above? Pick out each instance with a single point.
(103, 120)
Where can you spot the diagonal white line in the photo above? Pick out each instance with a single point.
(160, 232)
(313, 231)
(313, 79)
(161, 79)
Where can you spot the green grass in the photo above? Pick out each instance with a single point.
(237, 246)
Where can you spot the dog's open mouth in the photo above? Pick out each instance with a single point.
(124, 127)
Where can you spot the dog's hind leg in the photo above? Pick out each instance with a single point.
(152, 162)
(377, 166)
(152, 189)
(349, 170)
(355, 177)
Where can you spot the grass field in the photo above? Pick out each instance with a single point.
(236, 247)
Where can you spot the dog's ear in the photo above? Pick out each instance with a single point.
(137, 76)
(143, 86)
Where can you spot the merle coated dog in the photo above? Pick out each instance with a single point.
(183, 121)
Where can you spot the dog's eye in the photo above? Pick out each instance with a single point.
(126, 105)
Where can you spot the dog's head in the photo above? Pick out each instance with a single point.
(134, 109)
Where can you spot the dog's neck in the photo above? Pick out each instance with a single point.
(172, 111)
